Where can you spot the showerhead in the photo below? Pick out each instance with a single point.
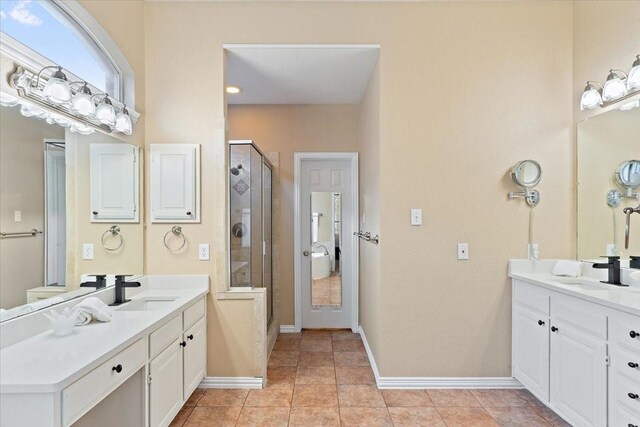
(236, 171)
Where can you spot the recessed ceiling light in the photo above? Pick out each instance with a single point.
(233, 89)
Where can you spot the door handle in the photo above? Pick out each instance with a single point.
(306, 253)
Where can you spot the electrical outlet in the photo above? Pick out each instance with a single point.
(463, 251)
(87, 251)
(17, 216)
(203, 252)
(416, 216)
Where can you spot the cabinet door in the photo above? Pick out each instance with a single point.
(578, 376)
(531, 350)
(114, 182)
(175, 182)
(165, 387)
(195, 353)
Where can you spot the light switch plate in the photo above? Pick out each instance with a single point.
(463, 251)
(203, 252)
(416, 216)
(87, 251)
(17, 216)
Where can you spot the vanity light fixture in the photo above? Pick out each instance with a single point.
(57, 89)
(105, 113)
(618, 86)
(633, 80)
(233, 90)
(614, 88)
(123, 122)
(591, 97)
(82, 102)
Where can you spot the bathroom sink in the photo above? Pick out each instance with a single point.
(147, 304)
(582, 284)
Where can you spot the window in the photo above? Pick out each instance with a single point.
(47, 29)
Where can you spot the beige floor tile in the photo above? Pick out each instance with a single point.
(269, 416)
(283, 358)
(345, 335)
(219, 416)
(281, 377)
(409, 417)
(516, 416)
(452, 397)
(182, 416)
(315, 375)
(554, 419)
(269, 397)
(457, 416)
(528, 397)
(406, 398)
(216, 397)
(290, 336)
(315, 358)
(498, 398)
(323, 345)
(351, 358)
(329, 417)
(360, 396)
(315, 395)
(354, 375)
(365, 417)
(286, 345)
(348, 345)
(316, 334)
(195, 397)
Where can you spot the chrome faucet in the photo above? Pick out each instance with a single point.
(627, 228)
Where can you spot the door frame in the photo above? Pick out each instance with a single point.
(299, 157)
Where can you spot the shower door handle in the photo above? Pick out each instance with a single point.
(306, 253)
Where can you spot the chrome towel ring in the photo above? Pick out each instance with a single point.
(176, 230)
(114, 230)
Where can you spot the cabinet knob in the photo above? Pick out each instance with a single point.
(634, 334)
(189, 213)
(190, 337)
(632, 364)
(540, 322)
(95, 212)
(554, 329)
(632, 425)
(633, 395)
(183, 343)
(117, 368)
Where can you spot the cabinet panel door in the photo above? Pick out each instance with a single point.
(195, 354)
(175, 182)
(114, 182)
(578, 376)
(165, 388)
(531, 350)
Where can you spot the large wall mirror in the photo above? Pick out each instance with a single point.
(608, 181)
(61, 194)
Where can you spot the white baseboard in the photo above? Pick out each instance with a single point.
(231, 382)
(287, 329)
(436, 382)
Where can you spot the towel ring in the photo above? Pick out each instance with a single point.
(176, 230)
(115, 231)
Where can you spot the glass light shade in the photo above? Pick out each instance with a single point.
(614, 88)
(57, 91)
(630, 105)
(633, 81)
(590, 99)
(7, 100)
(30, 110)
(82, 103)
(123, 123)
(57, 119)
(105, 113)
(82, 129)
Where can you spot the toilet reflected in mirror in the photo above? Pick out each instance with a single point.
(326, 286)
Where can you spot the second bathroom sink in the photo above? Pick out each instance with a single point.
(147, 304)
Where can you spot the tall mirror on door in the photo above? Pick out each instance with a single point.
(69, 208)
(326, 238)
(608, 184)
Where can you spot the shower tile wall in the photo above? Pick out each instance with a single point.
(240, 202)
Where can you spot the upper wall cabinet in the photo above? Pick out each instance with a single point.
(175, 183)
(114, 175)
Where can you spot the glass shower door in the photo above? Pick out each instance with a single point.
(267, 233)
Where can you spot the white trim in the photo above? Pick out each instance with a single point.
(298, 158)
(287, 329)
(436, 382)
(299, 46)
(231, 382)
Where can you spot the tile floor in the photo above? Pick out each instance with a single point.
(323, 378)
(327, 291)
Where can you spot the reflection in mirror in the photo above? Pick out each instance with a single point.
(608, 181)
(45, 186)
(326, 238)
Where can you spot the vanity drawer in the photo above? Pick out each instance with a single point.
(625, 392)
(626, 331)
(164, 335)
(193, 314)
(582, 315)
(625, 418)
(627, 363)
(85, 393)
(533, 297)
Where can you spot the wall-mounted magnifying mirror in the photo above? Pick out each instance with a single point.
(628, 175)
(526, 174)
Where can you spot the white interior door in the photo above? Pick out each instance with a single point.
(326, 258)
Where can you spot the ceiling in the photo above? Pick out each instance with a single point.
(300, 74)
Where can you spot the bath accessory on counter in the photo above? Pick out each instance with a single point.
(568, 268)
(31, 233)
(95, 308)
(176, 231)
(367, 236)
(114, 230)
(63, 323)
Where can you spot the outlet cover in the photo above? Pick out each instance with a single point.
(416, 216)
(203, 252)
(87, 251)
(17, 216)
(463, 251)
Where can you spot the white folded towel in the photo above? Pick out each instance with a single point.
(84, 316)
(96, 309)
(565, 267)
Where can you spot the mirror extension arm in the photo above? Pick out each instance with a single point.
(627, 228)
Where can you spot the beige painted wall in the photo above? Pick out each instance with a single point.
(22, 188)
(288, 129)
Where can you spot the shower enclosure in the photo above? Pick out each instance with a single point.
(250, 216)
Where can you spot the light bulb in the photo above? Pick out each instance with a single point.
(57, 90)
(123, 122)
(82, 102)
(591, 98)
(614, 87)
(633, 80)
(105, 113)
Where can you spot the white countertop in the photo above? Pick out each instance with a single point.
(626, 299)
(46, 363)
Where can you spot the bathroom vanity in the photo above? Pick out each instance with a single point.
(151, 356)
(576, 343)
